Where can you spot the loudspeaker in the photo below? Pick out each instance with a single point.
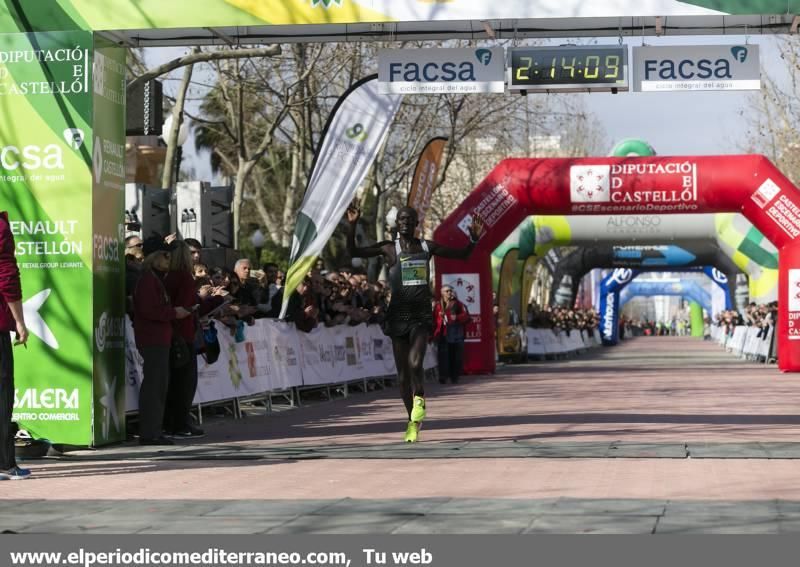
(218, 228)
(146, 209)
(144, 109)
(219, 257)
(205, 213)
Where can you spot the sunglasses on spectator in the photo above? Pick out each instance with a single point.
(141, 244)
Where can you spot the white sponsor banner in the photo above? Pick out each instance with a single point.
(216, 381)
(283, 344)
(276, 356)
(441, 70)
(696, 68)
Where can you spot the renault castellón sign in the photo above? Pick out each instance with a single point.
(424, 71)
(696, 68)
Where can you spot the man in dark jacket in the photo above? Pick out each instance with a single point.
(11, 320)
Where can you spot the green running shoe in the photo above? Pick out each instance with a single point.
(418, 411)
(412, 432)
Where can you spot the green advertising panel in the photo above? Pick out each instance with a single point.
(108, 205)
(46, 185)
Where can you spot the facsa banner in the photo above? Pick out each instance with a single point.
(426, 71)
(696, 68)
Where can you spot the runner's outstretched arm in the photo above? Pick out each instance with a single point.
(370, 251)
(475, 231)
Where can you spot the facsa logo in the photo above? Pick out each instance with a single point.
(74, 138)
(689, 68)
(432, 71)
(31, 157)
(106, 248)
(739, 53)
(590, 183)
(484, 56)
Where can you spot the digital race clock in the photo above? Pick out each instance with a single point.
(568, 68)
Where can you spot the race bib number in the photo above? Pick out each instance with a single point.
(414, 272)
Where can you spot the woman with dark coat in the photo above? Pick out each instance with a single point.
(183, 380)
(153, 314)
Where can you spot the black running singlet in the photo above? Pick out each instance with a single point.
(410, 305)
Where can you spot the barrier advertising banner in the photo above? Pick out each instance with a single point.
(47, 184)
(275, 356)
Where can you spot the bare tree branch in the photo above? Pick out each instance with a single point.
(205, 57)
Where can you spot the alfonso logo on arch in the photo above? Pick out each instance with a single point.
(590, 183)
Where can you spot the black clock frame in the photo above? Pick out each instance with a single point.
(568, 68)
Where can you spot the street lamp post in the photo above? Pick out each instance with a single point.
(258, 240)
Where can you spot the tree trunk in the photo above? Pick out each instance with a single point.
(238, 194)
(292, 194)
(172, 135)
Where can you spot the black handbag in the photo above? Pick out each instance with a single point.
(179, 352)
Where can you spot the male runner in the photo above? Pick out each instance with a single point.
(409, 317)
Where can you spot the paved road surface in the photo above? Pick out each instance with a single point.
(658, 435)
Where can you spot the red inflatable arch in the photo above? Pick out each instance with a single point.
(516, 188)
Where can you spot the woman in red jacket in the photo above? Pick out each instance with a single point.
(180, 285)
(153, 314)
(450, 318)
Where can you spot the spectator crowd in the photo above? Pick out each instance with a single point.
(176, 301)
(562, 318)
(764, 317)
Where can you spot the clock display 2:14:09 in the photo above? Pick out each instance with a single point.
(567, 65)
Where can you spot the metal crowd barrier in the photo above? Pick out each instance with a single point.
(275, 359)
(549, 343)
(746, 343)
